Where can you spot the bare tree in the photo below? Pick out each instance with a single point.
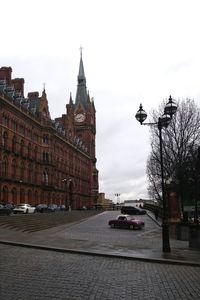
(180, 139)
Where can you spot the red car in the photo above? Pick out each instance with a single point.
(126, 221)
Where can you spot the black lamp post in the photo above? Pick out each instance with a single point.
(162, 122)
(65, 180)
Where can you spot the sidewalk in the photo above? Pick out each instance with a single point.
(55, 239)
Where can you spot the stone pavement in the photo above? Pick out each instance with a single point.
(55, 239)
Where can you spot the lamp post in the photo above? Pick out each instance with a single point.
(162, 122)
(65, 180)
(20, 190)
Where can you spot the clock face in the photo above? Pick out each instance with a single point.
(79, 117)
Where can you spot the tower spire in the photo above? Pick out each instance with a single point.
(81, 94)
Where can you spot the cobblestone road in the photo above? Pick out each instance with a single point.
(37, 274)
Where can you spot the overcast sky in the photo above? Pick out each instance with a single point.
(134, 51)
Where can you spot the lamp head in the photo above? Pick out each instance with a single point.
(165, 120)
(141, 115)
(170, 107)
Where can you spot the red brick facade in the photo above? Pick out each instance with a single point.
(44, 160)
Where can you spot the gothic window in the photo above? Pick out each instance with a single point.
(14, 125)
(5, 194)
(30, 197)
(36, 197)
(14, 144)
(42, 197)
(14, 168)
(5, 120)
(22, 148)
(45, 177)
(22, 170)
(29, 150)
(5, 140)
(29, 172)
(35, 152)
(35, 178)
(14, 195)
(5, 167)
(22, 196)
(45, 156)
(45, 139)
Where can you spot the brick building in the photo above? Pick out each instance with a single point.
(44, 160)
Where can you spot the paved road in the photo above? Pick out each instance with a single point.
(30, 274)
(94, 235)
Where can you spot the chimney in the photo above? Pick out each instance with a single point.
(19, 85)
(5, 74)
(33, 95)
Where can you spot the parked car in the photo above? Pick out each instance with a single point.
(4, 210)
(9, 205)
(126, 221)
(44, 208)
(131, 210)
(62, 207)
(53, 207)
(24, 208)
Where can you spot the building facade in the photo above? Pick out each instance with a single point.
(44, 160)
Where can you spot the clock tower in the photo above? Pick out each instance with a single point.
(81, 121)
(85, 113)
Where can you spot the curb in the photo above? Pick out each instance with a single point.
(152, 218)
(73, 251)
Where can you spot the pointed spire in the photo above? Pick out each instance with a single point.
(81, 94)
(88, 97)
(44, 92)
(70, 99)
(81, 74)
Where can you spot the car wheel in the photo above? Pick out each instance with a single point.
(131, 226)
(112, 225)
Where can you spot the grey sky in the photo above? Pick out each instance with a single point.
(133, 51)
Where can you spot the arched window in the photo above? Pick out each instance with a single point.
(29, 150)
(5, 140)
(5, 194)
(14, 168)
(45, 177)
(35, 178)
(30, 172)
(14, 144)
(30, 197)
(22, 170)
(36, 198)
(22, 196)
(45, 156)
(4, 167)
(42, 197)
(45, 139)
(14, 196)
(35, 152)
(22, 147)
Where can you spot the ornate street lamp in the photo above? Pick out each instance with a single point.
(65, 180)
(162, 122)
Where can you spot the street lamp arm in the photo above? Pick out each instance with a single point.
(150, 124)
